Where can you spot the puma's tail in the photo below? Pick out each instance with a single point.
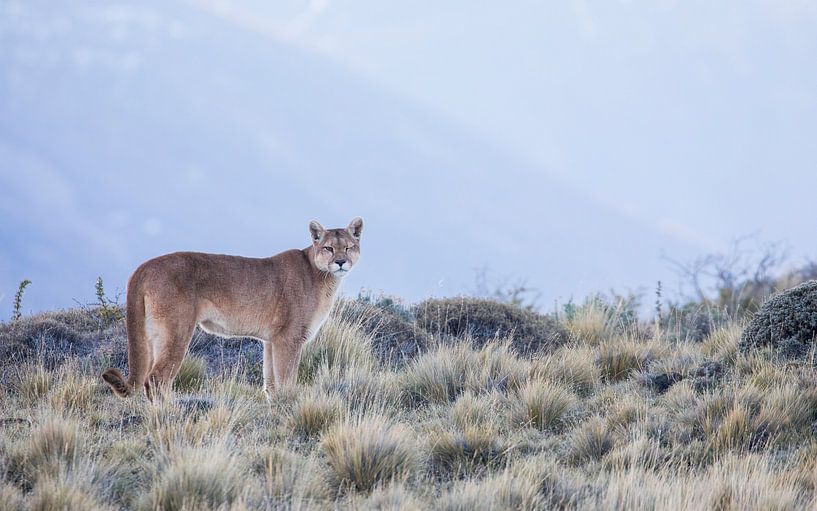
(116, 382)
(139, 355)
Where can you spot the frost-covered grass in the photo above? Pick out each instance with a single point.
(584, 425)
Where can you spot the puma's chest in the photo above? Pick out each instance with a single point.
(319, 316)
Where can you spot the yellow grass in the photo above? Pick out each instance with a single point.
(456, 428)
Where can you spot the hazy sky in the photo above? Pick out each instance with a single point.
(573, 143)
(698, 117)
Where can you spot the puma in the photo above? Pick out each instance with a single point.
(281, 300)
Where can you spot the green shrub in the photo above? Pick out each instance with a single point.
(789, 315)
(485, 320)
(108, 311)
(37, 335)
(396, 339)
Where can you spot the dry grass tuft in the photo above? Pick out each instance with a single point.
(473, 410)
(592, 322)
(34, 383)
(314, 414)
(524, 486)
(74, 392)
(11, 498)
(340, 346)
(394, 497)
(363, 454)
(289, 480)
(126, 465)
(641, 452)
(437, 376)
(571, 366)
(197, 478)
(63, 494)
(469, 452)
(544, 405)
(495, 367)
(591, 441)
(620, 358)
(734, 431)
(192, 374)
(722, 344)
(54, 446)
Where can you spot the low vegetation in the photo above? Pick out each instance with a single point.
(456, 404)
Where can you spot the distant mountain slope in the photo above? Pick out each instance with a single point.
(133, 129)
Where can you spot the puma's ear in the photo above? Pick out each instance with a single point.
(356, 227)
(316, 230)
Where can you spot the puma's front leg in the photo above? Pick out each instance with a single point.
(286, 354)
(269, 369)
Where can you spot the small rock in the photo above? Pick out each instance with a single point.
(707, 375)
(131, 420)
(12, 421)
(195, 405)
(709, 369)
(660, 383)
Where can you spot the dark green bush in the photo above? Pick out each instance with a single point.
(20, 339)
(484, 320)
(789, 316)
(396, 338)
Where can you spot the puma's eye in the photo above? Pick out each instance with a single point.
(328, 249)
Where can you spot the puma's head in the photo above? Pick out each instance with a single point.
(336, 251)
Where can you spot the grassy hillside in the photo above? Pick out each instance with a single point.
(414, 408)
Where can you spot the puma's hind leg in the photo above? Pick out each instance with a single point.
(170, 336)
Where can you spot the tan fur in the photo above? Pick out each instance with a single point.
(280, 300)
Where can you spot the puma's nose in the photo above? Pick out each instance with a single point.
(340, 262)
